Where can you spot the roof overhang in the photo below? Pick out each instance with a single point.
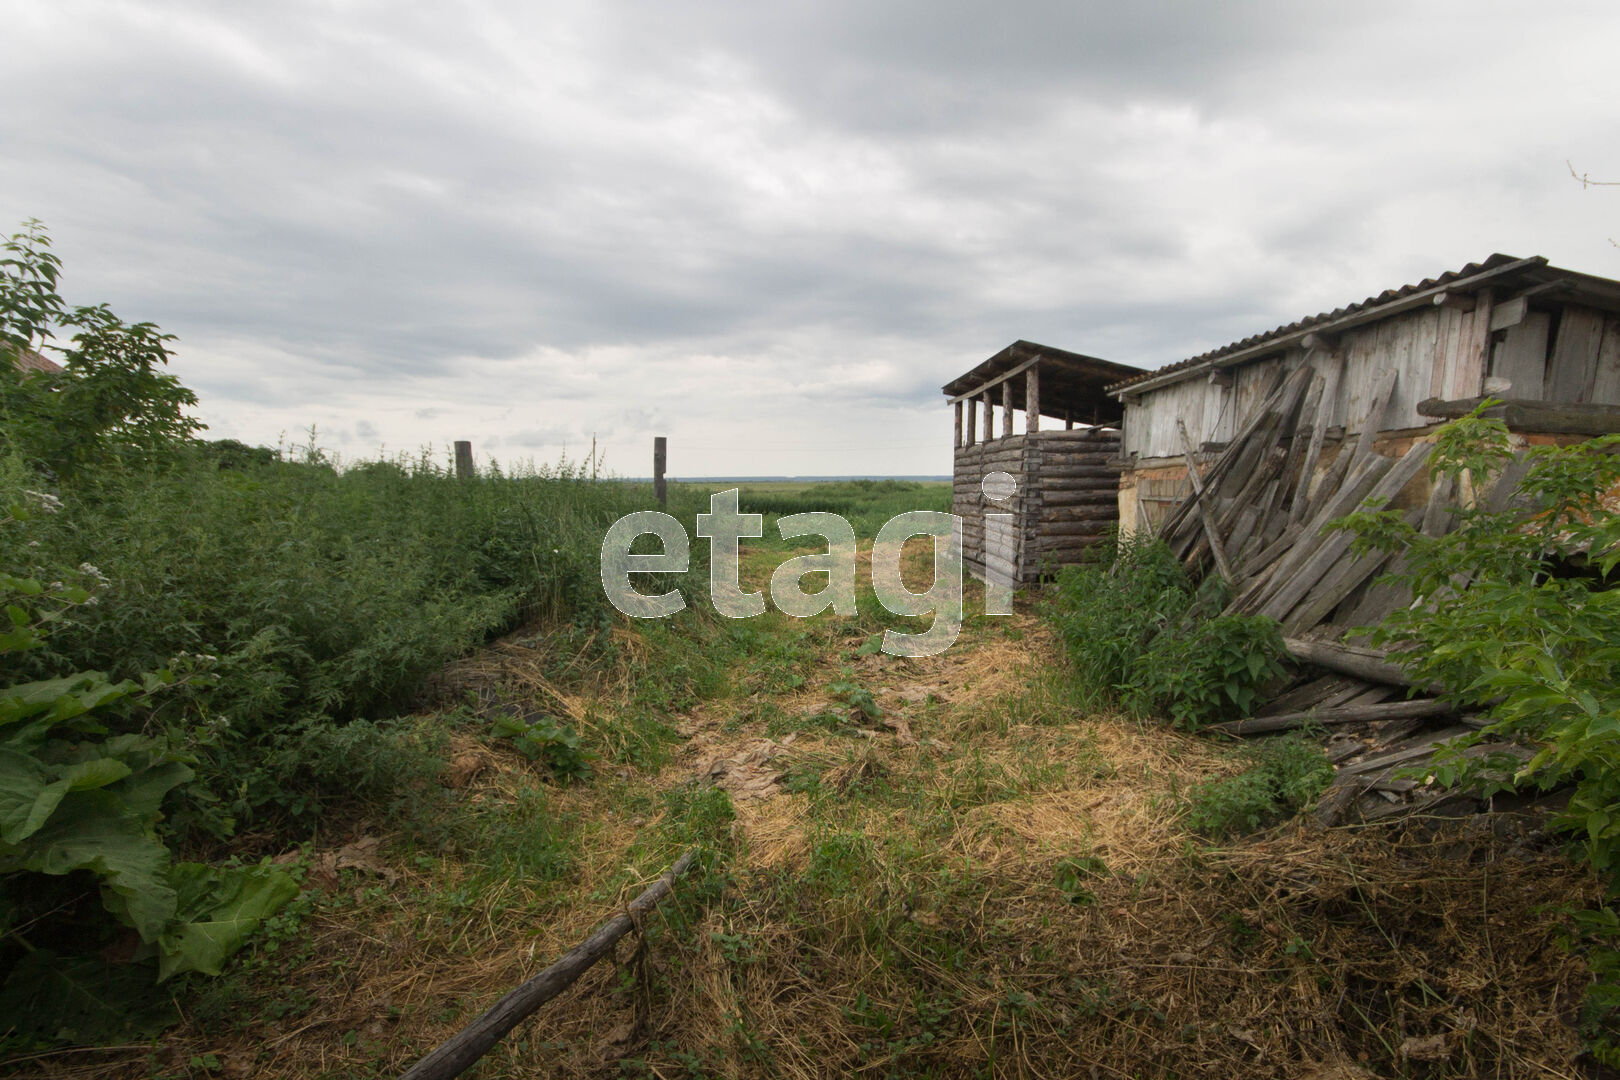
(1072, 385)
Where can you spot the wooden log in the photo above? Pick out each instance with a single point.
(957, 440)
(1372, 665)
(1107, 474)
(971, 422)
(1538, 417)
(1343, 714)
(1203, 507)
(1108, 496)
(1032, 399)
(458, 1054)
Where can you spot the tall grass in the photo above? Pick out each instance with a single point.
(299, 598)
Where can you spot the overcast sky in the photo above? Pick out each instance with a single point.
(770, 231)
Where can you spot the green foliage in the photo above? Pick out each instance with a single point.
(1140, 636)
(1287, 775)
(857, 697)
(1110, 611)
(1073, 876)
(1211, 672)
(543, 738)
(1521, 619)
(111, 403)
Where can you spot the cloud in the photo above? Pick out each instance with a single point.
(783, 225)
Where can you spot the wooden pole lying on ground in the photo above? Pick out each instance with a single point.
(465, 469)
(659, 446)
(459, 1053)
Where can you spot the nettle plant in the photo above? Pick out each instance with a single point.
(1517, 614)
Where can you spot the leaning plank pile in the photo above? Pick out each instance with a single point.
(1258, 514)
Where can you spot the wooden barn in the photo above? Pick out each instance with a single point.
(1382, 374)
(1240, 457)
(1064, 468)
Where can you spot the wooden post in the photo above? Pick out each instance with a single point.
(1068, 419)
(1006, 409)
(972, 420)
(1032, 400)
(465, 470)
(956, 440)
(659, 489)
(989, 418)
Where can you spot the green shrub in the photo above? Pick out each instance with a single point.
(1140, 636)
(1288, 774)
(1213, 671)
(1109, 612)
(1520, 619)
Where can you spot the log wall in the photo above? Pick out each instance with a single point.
(1067, 499)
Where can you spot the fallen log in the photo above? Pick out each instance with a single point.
(1372, 665)
(1344, 714)
(461, 1051)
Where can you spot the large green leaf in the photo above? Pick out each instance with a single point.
(95, 831)
(61, 699)
(82, 1000)
(27, 797)
(218, 908)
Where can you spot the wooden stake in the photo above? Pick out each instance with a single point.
(465, 469)
(659, 490)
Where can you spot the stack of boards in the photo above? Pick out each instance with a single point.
(1258, 515)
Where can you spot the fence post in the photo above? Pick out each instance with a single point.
(658, 472)
(464, 460)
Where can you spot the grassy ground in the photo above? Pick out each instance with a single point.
(917, 867)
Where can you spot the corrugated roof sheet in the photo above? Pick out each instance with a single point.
(1384, 297)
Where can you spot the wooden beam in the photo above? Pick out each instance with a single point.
(957, 438)
(1540, 417)
(1204, 514)
(971, 420)
(990, 384)
(1032, 399)
(1457, 301)
(989, 418)
(1343, 714)
(1371, 665)
(1509, 313)
(1006, 409)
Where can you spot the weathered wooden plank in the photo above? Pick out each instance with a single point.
(1606, 381)
(1372, 665)
(1521, 357)
(1572, 367)
(1203, 509)
(1466, 374)
(1299, 582)
(1330, 389)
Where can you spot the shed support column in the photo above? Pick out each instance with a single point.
(1006, 409)
(1032, 400)
(956, 440)
(972, 427)
(989, 418)
(1068, 419)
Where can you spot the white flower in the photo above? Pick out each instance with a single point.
(47, 502)
(88, 568)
